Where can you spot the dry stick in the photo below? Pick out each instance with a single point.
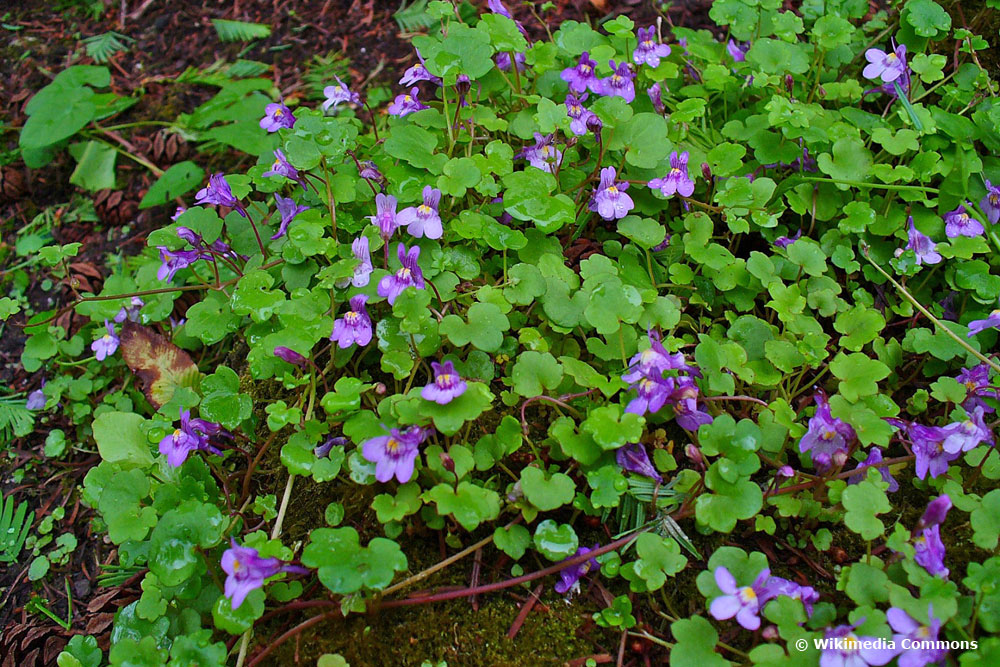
(525, 610)
(926, 313)
(420, 576)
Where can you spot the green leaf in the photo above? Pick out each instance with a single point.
(864, 502)
(120, 439)
(659, 558)
(412, 144)
(555, 541)
(695, 647)
(986, 521)
(860, 325)
(534, 372)
(612, 428)
(95, 169)
(180, 179)
(546, 493)
(645, 232)
(858, 374)
(471, 505)
(608, 484)
(850, 161)
(512, 540)
(528, 196)
(927, 18)
(485, 327)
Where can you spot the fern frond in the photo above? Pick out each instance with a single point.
(102, 47)
(413, 17)
(14, 527)
(15, 418)
(240, 31)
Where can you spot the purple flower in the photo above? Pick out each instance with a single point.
(875, 456)
(619, 84)
(218, 192)
(991, 203)
(655, 360)
(543, 154)
(569, 577)
(497, 7)
(776, 586)
(582, 76)
(385, 216)
(503, 61)
(921, 245)
(649, 50)
(677, 179)
(928, 447)
(407, 103)
(977, 384)
(578, 115)
(960, 223)
(290, 355)
(610, 200)
(288, 210)
(363, 272)
(743, 602)
(423, 220)
(193, 434)
(889, 66)
(447, 384)
(106, 345)
(656, 97)
(992, 321)
(916, 652)
(418, 72)
(132, 312)
(281, 167)
(785, 241)
(337, 95)
(936, 512)
(408, 275)
(929, 551)
(178, 213)
(172, 261)
(36, 399)
(276, 116)
(652, 395)
(394, 454)
(968, 434)
(633, 458)
(355, 326)
(738, 50)
(246, 571)
(323, 451)
(826, 436)
(684, 398)
(369, 171)
(846, 649)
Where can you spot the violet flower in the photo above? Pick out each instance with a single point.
(960, 223)
(192, 435)
(106, 345)
(928, 447)
(288, 210)
(849, 650)
(408, 275)
(543, 154)
(991, 203)
(363, 272)
(290, 355)
(656, 97)
(874, 457)
(610, 200)
(977, 384)
(652, 395)
(502, 60)
(922, 245)
(743, 602)
(633, 458)
(677, 179)
(936, 512)
(218, 192)
(407, 103)
(276, 116)
(322, 451)
(178, 213)
(776, 586)
(417, 73)
(246, 571)
(887, 66)
(369, 171)
(385, 216)
(684, 399)
(929, 552)
(423, 220)
(355, 327)
(655, 360)
(36, 399)
(620, 83)
(785, 241)
(582, 77)
(569, 577)
(578, 114)
(992, 321)
(172, 261)
(282, 167)
(131, 313)
(649, 50)
(737, 50)
(447, 385)
(827, 435)
(339, 94)
(393, 454)
(921, 649)
(969, 434)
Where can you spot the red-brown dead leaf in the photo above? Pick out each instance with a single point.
(159, 364)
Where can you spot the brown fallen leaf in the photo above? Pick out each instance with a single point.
(159, 364)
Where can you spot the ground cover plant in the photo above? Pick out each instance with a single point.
(698, 328)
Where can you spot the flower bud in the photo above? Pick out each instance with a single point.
(694, 455)
(187, 234)
(786, 471)
(839, 458)
(447, 462)
(379, 389)
(706, 171)
(290, 355)
(789, 83)
(322, 451)
(516, 493)
(462, 85)
(770, 633)
(595, 125)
